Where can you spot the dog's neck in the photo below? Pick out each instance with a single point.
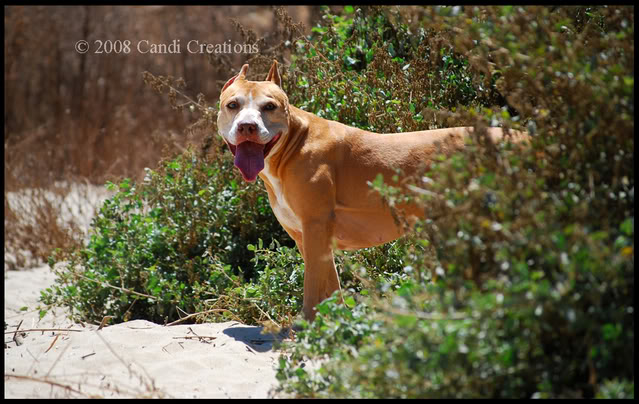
(298, 130)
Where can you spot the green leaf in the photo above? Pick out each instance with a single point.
(611, 331)
(350, 301)
(301, 373)
(369, 55)
(628, 226)
(407, 321)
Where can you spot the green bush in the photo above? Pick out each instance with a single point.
(534, 290)
(617, 389)
(280, 281)
(384, 76)
(174, 244)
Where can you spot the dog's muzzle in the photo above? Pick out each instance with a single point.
(249, 153)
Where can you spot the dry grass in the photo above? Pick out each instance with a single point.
(40, 219)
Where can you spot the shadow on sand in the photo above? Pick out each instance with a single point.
(252, 336)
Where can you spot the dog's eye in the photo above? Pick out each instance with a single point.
(232, 105)
(270, 106)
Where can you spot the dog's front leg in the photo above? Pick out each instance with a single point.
(320, 274)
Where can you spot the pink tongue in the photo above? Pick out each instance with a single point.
(249, 158)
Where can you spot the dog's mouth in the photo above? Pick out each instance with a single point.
(249, 156)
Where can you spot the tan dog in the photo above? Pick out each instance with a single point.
(316, 172)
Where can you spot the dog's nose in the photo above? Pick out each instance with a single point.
(247, 128)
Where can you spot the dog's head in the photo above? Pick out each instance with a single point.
(253, 117)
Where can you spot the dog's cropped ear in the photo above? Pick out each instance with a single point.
(274, 74)
(241, 76)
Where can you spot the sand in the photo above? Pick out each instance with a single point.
(133, 359)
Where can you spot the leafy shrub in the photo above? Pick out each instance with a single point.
(384, 76)
(534, 288)
(617, 389)
(280, 280)
(377, 271)
(174, 244)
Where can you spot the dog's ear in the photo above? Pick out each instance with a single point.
(241, 75)
(274, 74)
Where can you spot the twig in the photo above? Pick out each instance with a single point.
(127, 365)
(261, 341)
(266, 314)
(149, 383)
(15, 334)
(165, 82)
(133, 292)
(195, 337)
(197, 314)
(42, 329)
(52, 343)
(185, 96)
(64, 350)
(251, 350)
(429, 316)
(116, 389)
(104, 321)
(191, 331)
(51, 382)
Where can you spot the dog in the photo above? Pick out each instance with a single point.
(316, 173)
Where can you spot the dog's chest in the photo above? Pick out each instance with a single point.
(280, 206)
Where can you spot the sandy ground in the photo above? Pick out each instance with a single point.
(133, 359)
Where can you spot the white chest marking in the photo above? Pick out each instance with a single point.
(282, 210)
